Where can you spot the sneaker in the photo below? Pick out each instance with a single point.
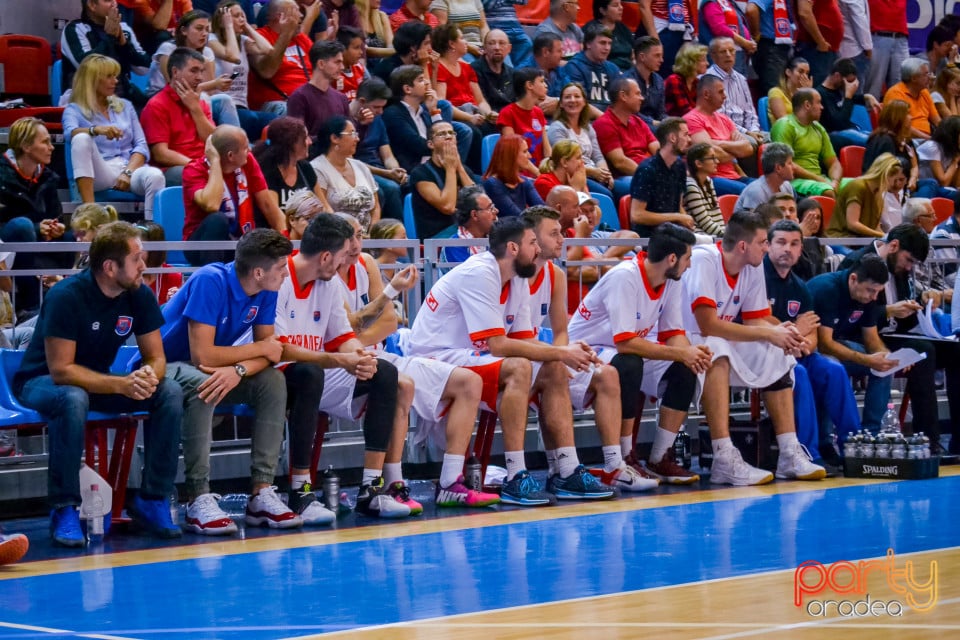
(795, 462)
(729, 468)
(634, 463)
(400, 492)
(524, 491)
(13, 546)
(303, 502)
(458, 495)
(670, 472)
(204, 516)
(65, 527)
(266, 508)
(832, 471)
(374, 501)
(579, 485)
(153, 516)
(625, 478)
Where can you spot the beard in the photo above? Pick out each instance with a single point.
(525, 270)
(892, 264)
(673, 273)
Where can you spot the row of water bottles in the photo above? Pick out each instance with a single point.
(889, 443)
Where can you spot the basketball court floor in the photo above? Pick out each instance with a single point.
(705, 562)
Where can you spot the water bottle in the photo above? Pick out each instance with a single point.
(881, 448)
(867, 445)
(174, 506)
(331, 489)
(890, 422)
(850, 446)
(681, 449)
(234, 505)
(92, 511)
(899, 449)
(473, 474)
(924, 445)
(8, 443)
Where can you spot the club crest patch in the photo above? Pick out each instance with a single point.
(316, 316)
(251, 314)
(793, 307)
(855, 316)
(124, 325)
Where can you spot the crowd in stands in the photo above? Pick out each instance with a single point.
(271, 115)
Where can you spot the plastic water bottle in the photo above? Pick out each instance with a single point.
(924, 445)
(899, 449)
(331, 489)
(850, 446)
(681, 449)
(890, 423)
(174, 506)
(234, 504)
(8, 443)
(473, 474)
(93, 512)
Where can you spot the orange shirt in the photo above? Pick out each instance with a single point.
(921, 108)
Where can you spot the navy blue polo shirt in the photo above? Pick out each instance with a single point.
(788, 296)
(213, 296)
(660, 186)
(77, 310)
(837, 310)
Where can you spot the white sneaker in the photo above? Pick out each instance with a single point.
(204, 516)
(626, 478)
(796, 463)
(266, 508)
(729, 468)
(312, 511)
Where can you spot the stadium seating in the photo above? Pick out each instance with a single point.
(168, 213)
(608, 211)
(826, 206)
(25, 62)
(486, 150)
(409, 224)
(623, 212)
(851, 159)
(860, 117)
(727, 204)
(762, 113)
(943, 208)
(56, 82)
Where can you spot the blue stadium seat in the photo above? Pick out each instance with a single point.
(762, 113)
(140, 82)
(107, 195)
(860, 117)
(408, 221)
(168, 213)
(56, 82)
(608, 211)
(486, 150)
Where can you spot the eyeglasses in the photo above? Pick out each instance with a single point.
(350, 134)
(492, 207)
(713, 158)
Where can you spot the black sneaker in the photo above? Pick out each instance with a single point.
(373, 500)
(303, 501)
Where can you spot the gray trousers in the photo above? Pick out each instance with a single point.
(888, 55)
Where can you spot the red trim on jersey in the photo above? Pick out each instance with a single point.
(654, 294)
(505, 292)
(336, 343)
(522, 335)
(753, 315)
(703, 301)
(351, 278)
(623, 337)
(666, 335)
(731, 280)
(486, 333)
(537, 281)
(490, 374)
(300, 293)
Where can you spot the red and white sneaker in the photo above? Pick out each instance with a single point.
(626, 478)
(634, 463)
(670, 472)
(204, 516)
(400, 492)
(266, 508)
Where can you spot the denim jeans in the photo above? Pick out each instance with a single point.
(769, 61)
(253, 122)
(621, 187)
(848, 138)
(223, 110)
(595, 187)
(391, 202)
(877, 396)
(820, 61)
(65, 408)
(726, 186)
(888, 55)
(671, 41)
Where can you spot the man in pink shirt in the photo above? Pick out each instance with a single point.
(623, 136)
(707, 124)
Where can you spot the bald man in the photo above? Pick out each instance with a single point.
(222, 192)
(494, 75)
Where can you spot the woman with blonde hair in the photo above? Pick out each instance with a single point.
(388, 229)
(680, 88)
(564, 166)
(860, 201)
(107, 147)
(301, 207)
(376, 29)
(946, 92)
(84, 222)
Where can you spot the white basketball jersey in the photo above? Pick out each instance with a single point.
(311, 314)
(541, 293)
(356, 285)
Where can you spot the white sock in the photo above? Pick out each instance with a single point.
(567, 461)
(392, 473)
(451, 470)
(369, 475)
(551, 462)
(515, 463)
(784, 440)
(662, 441)
(297, 480)
(626, 445)
(612, 459)
(719, 444)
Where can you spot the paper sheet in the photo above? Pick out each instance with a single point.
(925, 324)
(904, 357)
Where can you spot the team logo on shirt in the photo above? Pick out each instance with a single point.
(432, 302)
(251, 314)
(736, 299)
(292, 314)
(544, 308)
(316, 316)
(676, 12)
(793, 307)
(536, 125)
(510, 319)
(584, 311)
(855, 316)
(365, 298)
(124, 324)
(95, 326)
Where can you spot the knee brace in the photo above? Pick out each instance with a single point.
(381, 405)
(681, 385)
(630, 371)
(785, 382)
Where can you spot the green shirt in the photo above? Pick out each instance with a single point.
(811, 144)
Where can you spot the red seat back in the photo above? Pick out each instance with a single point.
(25, 66)
(851, 159)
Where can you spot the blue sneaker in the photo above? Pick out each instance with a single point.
(525, 491)
(153, 516)
(580, 485)
(65, 527)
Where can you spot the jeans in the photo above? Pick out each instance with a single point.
(671, 41)
(769, 61)
(820, 61)
(725, 186)
(848, 138)
(877, 396)
(276, 107)
(888, 55)
(223, 110)
(391, 202)
(595, 187)
(863, 72)
(264, 392)
(930, 188)
(66, 407)
(254, 122)
(834, 396)
(621, 187)
(521, 48)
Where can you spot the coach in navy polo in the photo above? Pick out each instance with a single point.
(657, 187)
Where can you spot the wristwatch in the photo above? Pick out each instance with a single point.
(127, 172)
(241, 370)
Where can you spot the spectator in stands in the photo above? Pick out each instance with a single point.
(456, 81)
(66, 372)
(233, 40)
(707, 124)
(283, 160)
(777, 167)
(857, 42)
(85, 222)
(819, 32)
(949, 229)
(494, 75)
(771, 25)
(524, 117)
(860, 201)
(939, 159)
(563, 167)
(591, 69)
(346, 183)
(374, 147)
(503, 181)
(176, 121)
(100, 30)
(811, 145)
(474, 217)
(346, 11)
(946, 93)
(892, 135)
(413, 44)
(738, 105)
(563, 22)
(657, 188)
(163, 285)
(222, 191)
(624, 137)
(894, 200)
(928, 277)
(700, 197)
(466, 15)
(312, 19)
(548, 58)
(661, 19)
(153, 20)
(437, 182)
(107, 145)
(609, 15)
(912, 89)
(302, 206)
(680, 87)
(413, 11)
(277, 73)
(376, 25)
(724, 19)
(502, 16)
(389, 229)
(354, 69)
(940, 49)
(838, 93)
(318, 100)
(30, 208)
(648, 58)
(888, 25)
(573, 123)
(795, 76)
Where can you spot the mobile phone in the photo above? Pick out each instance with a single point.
(235, 74)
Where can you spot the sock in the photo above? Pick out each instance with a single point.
(297, 480)
(662, 441)
(515, 463)
(392, 473)
(551, 462)
(369, 475)
(612, 459)
(784, 440)
(567, 461)
(626, 445)
(451, 470)
(719, 444)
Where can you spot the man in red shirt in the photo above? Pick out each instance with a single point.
(888, 25)
(819, 33)
(175, 121)
(623, 136)
(277, 74)
(414, 10)
(154, 17)
(222, 190)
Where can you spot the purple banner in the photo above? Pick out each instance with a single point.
(923, 15)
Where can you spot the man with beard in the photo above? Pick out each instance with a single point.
(657, 186)
(477, 316)
(632, 319)
(83, 322)
(494, 75)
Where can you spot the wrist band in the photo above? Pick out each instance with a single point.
(92, 134)
(390, 292)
